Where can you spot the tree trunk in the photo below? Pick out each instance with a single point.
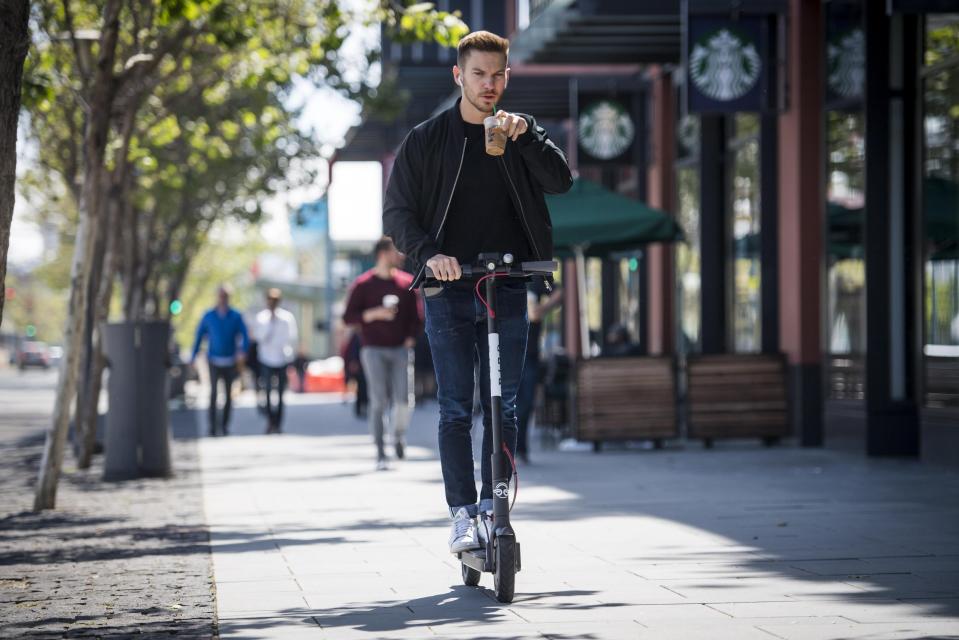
(87, 384)
(102, 94)
(14, 42)
(119, 196)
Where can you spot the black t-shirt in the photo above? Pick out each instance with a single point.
(482, 218)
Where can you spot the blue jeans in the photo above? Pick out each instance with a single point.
(456, 328)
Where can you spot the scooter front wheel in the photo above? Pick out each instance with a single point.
(471, 576)
(504, 577)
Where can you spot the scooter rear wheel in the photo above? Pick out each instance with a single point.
(471, 576)
(504, 577)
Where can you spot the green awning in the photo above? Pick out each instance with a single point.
(603, 221)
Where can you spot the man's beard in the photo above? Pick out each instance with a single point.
(478, 105)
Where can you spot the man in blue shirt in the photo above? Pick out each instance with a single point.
(224, 328)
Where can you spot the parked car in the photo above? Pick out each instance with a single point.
(33, 354)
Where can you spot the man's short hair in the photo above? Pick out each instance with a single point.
(481, 41)
(383, 244)
(225, 287)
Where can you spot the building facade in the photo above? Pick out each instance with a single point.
(810, 151)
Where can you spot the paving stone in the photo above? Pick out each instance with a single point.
(114, 559)
(849, 631)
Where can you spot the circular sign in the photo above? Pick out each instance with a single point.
(724, 66)
(605, 130)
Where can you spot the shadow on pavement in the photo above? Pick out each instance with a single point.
(808, 515)
(460, 605)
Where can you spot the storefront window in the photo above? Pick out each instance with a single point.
(846, 269)
(629, 274)
(688, 260)
(594, 299)
(941, 211)
(744, 217)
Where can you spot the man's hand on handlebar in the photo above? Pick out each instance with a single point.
(445, 268)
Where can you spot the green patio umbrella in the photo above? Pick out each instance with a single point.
(590, 220)
(602, 221)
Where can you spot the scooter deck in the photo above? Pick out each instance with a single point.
(476, 559)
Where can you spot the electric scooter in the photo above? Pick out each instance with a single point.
(501, 556)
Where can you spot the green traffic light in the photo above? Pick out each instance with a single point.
(31, 331)
(176, 307)
(633, 264)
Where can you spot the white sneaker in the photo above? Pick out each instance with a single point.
(462, 532)
(382, 465)
(484, 528)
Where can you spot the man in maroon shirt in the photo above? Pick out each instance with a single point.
(389, 317)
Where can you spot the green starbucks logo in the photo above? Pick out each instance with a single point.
(605, 130)
(847, 63)
(724, 66)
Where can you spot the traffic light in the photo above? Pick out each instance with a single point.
(31, 331)
(176, 307)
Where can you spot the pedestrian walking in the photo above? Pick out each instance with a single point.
(389, 318)
(227, 343)
(276, 335)
(539, 302)
(447, 201)
(353, 372)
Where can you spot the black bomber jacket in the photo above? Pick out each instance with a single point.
(426, 170)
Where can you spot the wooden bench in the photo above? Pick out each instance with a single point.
(942, 381)
(847, 376)
(630, 398)
(737, 396)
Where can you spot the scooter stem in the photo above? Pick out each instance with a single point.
(501, 470)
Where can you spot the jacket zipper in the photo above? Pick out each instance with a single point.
(449, 202)
(522, 212)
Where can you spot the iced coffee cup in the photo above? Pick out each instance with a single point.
(390, 301)
(495, 135)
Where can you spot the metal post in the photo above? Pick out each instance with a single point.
(581, 294)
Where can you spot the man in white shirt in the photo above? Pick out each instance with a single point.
(276, 336)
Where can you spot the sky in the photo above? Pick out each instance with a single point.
(356, 190)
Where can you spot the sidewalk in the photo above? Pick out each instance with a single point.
(114, 560)
(738, 542)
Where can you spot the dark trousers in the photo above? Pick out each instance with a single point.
(274, 378)
(456, 327)
(228, 375)
(524, 403)
(362, 395)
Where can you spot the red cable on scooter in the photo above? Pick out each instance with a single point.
(489, 310)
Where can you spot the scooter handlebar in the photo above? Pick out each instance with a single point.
(522, 270)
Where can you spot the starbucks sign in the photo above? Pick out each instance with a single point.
(846, 54)
(605, 129)
(725, 64)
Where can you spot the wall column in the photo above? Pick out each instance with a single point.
(892, 416)
(801, 212)
(714, 312)
(661, 194)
